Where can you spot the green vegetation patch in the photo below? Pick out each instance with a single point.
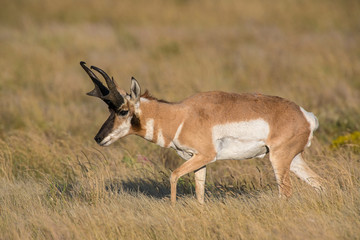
(351, 140)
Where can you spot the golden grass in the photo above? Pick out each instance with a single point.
(56, 183)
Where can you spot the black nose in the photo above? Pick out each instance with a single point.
(98, 139)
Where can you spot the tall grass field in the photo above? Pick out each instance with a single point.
(57, 183)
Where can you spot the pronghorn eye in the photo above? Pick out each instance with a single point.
(123, 112)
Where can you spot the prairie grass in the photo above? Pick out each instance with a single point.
(56, 183)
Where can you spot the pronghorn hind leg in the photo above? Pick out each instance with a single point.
(282, 153)
(200, 176)
(304, 172)
(280, 162)
(196, 162)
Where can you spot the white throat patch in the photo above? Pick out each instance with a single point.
(149, 135)
(160, 139)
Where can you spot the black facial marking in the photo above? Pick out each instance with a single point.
(106, 128)
(135, 123)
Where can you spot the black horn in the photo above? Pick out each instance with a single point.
(109, 95)
(100, 90)
(114, 96)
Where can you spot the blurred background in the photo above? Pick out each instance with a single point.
(306, 51)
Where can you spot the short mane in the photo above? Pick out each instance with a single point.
(148, 96)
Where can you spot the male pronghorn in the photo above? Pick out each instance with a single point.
(212, 126)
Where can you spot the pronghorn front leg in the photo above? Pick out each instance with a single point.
(196, 162)
(200, 176)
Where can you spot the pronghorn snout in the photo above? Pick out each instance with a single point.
(98, 139)
(102, 139)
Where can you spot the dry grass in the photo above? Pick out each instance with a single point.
(56, 183)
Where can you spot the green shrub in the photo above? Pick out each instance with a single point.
(351, 140)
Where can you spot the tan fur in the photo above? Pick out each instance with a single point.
(288, 136)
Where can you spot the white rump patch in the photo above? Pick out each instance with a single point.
(241, 140)
(160, 139)
(313, 121)
(149, 135)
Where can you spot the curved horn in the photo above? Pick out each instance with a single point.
(114, 96)
(100, 90)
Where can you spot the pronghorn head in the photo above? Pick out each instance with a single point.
(123, 107)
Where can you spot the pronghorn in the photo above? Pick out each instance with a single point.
(212, 126)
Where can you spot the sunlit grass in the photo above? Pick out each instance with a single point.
(56, 183)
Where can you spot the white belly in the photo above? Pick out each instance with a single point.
(240, 140)
(232, 148)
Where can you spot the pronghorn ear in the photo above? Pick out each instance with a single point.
(135, 90)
